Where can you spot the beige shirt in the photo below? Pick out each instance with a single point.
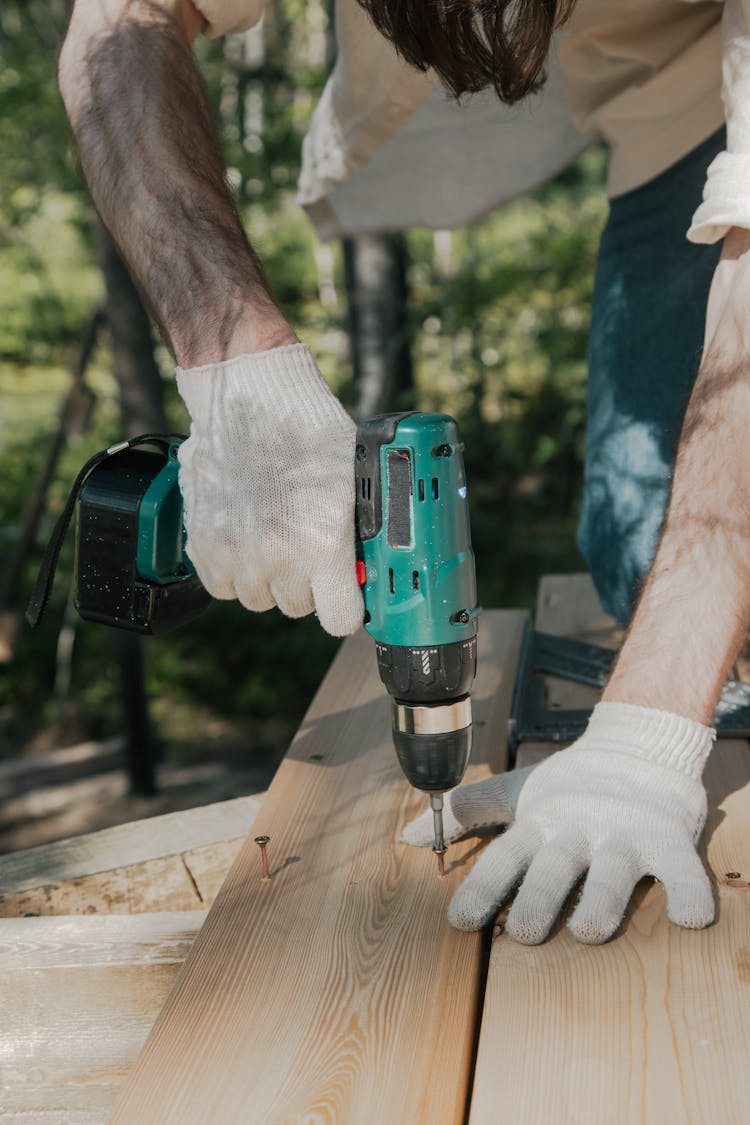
(388, 149)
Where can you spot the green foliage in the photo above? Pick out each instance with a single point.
(266, 85)
(33, 129)
(47, 280)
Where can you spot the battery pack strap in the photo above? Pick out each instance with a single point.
(46, 577)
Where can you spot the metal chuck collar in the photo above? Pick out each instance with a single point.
(433, 742)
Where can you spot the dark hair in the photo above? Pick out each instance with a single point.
(473, 44)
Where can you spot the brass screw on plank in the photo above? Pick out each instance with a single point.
(440, 853)
(262, 842)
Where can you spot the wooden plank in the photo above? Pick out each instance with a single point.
(336, 991)
(651, 1027)
(187, 881)
(79, 997)
(127, 844)
(75, 942)
(568, 606)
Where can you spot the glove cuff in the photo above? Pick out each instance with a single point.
(659, 736)
(285, 377)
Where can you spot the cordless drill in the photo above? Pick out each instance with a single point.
(416, 567)
(415, 564)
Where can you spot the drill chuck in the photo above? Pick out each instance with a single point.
(432, 742)
(430, 709)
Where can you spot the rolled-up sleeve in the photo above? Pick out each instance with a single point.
(224, 17)
(726, 196)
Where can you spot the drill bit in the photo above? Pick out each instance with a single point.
(436, 801)
(439, 848)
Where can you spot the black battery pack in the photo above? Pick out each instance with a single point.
(109, 589)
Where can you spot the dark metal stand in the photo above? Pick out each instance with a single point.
(545, 655)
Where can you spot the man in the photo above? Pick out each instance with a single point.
(267, 472)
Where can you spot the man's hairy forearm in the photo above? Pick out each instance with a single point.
(149, 152)
(694, 612)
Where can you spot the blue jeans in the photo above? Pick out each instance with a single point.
(647, 323)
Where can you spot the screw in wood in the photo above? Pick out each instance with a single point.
(440, 853)
(262, 842)
(733, 875)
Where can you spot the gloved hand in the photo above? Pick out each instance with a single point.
(267, 476)
(624, 801)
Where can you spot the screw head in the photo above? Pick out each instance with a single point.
(262, 839)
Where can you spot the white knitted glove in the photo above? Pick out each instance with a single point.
(267, 476)
(624, 801)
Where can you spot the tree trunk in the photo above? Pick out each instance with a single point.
(135, 368)
(141, 411)
(375, 273)
(377, 296)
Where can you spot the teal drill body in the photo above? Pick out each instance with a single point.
(419, 582)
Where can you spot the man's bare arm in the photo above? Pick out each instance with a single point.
(149, 152)
(694, 612)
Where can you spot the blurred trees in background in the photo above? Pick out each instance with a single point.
(493, 331)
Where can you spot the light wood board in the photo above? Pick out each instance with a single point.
(173, 862)
(127, 844)
(336, 991)
(79, 996)
(652, 1027)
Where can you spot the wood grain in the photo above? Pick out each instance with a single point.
(173, 862)
(79, 995)
(187, 881)
(127, 844)
(336, 992)
(652, 1027)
